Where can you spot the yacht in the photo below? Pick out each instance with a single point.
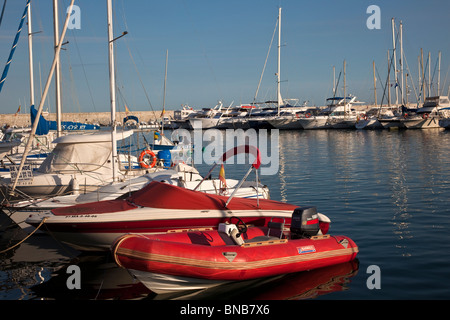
(428, 116)
(371, 119)
(207, 118)
(335, 115)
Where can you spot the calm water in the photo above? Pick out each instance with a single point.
(387, 190)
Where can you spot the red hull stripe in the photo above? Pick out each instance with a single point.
(220, 265)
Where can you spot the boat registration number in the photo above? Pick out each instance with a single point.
(82, 216)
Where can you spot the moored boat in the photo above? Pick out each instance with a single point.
(160, 206)
(156, 208)
(194, 260)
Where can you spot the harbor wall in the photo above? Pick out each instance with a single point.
(102, 118)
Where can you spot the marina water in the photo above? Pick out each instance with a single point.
(388, 190)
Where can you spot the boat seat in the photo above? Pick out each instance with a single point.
(231, 231)
(277, 226)
(261, 239)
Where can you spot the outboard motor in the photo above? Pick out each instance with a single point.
(304, 222)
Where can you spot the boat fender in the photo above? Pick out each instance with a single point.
(143, 162)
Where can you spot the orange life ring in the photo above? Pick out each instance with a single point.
(143, 163)
(308, 115)
(425, 116)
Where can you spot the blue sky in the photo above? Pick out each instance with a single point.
(217, 51)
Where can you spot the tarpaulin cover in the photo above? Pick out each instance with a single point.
(162, 195)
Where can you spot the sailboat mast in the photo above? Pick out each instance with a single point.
(429, 73)
(57, 70)
(164, 95)
(423, 75)
(439, 75)
(30, 55)
(374, 83)
(165, 81)
(401, 60)
(279, 99)
(389, 78)
(112, 88)
(395, 62)
(345, 98)
(41, 103)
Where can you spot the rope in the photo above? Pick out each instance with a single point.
(20, 242)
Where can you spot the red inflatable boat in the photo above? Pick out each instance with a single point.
(200, 259)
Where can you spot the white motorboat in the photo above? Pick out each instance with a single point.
(428, 116)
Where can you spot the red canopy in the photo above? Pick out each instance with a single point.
(163, 195)
(166, 196)
(106, 206)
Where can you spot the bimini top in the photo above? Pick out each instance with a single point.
(165, 196)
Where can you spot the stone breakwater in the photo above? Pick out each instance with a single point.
(102, 118)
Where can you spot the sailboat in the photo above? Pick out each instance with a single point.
(286, 116)
(343, 116)
(89, 159)
(46, 130)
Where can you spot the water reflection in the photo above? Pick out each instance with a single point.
(103, 279)
(387, 190)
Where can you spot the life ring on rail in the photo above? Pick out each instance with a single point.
(425, 116)
(146, 157)
(308, 115)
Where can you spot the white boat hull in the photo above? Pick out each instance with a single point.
(314, 123)
(368, 124)
(165, 283)
(421, 123)
(286, 123)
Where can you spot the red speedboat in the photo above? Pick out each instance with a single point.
(200, 259)
(157, 208)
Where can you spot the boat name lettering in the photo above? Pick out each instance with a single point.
(306, 249)
(82, 216)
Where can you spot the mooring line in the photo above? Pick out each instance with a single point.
(20, 242)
